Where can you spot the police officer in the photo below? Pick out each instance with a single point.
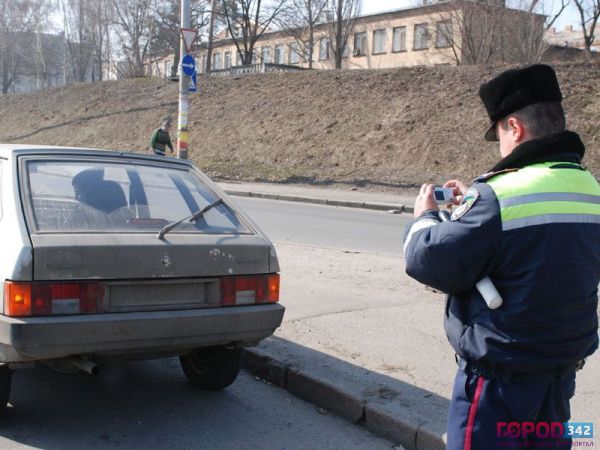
(532, 224)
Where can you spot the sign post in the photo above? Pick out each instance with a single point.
(188, 70)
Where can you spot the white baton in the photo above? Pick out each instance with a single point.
(489, 293)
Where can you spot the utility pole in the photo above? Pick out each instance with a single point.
(184, 80)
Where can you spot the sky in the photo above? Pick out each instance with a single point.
(568, 17)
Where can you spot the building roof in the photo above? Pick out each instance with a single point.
(568, 37)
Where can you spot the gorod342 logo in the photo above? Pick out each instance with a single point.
(522, 430)
(545, 430)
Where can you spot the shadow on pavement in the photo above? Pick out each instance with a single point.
(402, 412)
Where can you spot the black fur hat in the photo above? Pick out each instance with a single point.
(515, 89)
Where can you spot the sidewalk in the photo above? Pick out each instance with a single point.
(324, 196)
(383, 360)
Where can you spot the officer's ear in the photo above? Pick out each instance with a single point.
(516, 130)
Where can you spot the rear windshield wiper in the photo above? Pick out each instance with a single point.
(191, 218)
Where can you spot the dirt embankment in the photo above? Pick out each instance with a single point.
(385, 128)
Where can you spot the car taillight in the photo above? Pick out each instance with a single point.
(45, 299)
(250, 289)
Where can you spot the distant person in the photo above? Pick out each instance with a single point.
(161, 139)
(532, 225)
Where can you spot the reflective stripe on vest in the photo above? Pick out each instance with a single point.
(539, 194)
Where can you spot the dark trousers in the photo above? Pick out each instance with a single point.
(481, 408)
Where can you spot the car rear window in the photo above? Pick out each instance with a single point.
(72, 196)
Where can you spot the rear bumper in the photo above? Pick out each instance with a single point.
(38, 338)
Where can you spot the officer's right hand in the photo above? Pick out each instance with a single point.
(425, 201)
(458, 189)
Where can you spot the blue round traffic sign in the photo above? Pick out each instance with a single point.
(188, 65)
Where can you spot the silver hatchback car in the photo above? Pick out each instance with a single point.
(110, 255)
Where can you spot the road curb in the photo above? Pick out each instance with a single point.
(323, 201)
(403, 429)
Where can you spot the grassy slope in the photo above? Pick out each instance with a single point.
(385, 128)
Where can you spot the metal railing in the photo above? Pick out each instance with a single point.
(252, 69)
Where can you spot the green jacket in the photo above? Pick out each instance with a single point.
(160, 140)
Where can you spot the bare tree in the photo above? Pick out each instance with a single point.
(480, 33)
(133, 29)
(20, 22)
(589, 13)
(165, 26)
(341, 15)
(78, 34)
(214, 4)
(528, 23)
(299, 21)
(247, 21)
(101, 17)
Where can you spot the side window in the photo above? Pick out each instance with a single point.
(324, 48)
(279, 54)
(379, 41)
(265, 55)
(399, 39)
(444, 34)
(421, 39)
(294, 54)
(360, 44)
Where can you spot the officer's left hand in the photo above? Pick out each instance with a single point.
(425, 200)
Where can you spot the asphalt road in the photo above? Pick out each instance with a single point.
(328, 226)
(150, 404)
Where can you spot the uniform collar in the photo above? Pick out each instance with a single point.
(560, 147)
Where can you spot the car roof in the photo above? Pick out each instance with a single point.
(9, 151)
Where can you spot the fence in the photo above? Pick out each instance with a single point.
(252, 69)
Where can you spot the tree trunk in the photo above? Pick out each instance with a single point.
(339, 36)
(175, 66)
(211, 32)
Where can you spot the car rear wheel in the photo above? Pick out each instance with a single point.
(5, 385)
(212, 367)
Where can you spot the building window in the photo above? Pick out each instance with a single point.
(216, 65)
(443, 35)
(279, 49)
(324, 48)
(203, 68)
(168, 65)
(379, 41)
(227, 60)
(421, 36)
(360, 44)
(238, 59)
(399, 39)
(346, 51)
(294, 54)
(265, 55)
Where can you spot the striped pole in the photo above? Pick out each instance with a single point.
(183, 134)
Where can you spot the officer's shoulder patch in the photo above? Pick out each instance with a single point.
(486, 176)
(469, 200)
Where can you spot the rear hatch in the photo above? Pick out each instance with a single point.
(125, 225)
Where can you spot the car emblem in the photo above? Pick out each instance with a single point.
(166, 261)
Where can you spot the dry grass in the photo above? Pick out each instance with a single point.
(382, 128)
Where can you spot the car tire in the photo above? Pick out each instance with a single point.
(5, 385)
(212, 368)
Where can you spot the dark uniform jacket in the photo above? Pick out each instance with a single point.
(533, 226)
